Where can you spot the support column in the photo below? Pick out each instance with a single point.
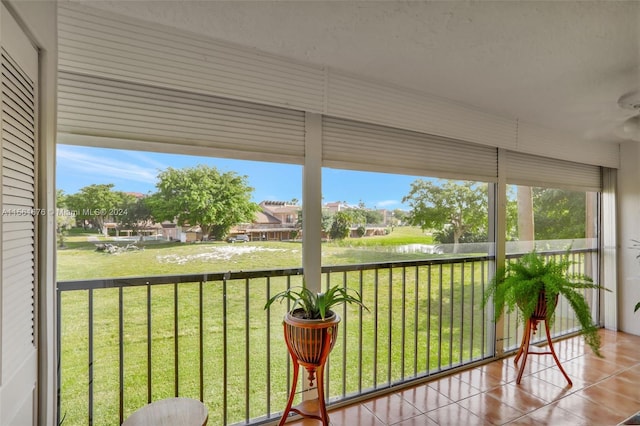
(498, 211)
(312, 202)
(623, 282)
(312, 214)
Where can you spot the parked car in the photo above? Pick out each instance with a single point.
(238, 239)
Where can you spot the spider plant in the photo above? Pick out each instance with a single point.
(316, 305)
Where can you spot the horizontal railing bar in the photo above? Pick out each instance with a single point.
(553, 252)
(173, 279)
(238, 275)
(403, 263)
(86, 284)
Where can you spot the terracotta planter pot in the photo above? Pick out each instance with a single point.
(310, 341)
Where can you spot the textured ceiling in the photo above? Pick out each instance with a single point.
(557, 64)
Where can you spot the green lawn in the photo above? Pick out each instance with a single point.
(409, 310)
(80, 260)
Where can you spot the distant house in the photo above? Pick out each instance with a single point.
(190, 234)
(337, 206)
(169, 230)
(277, 221)
(370, 229)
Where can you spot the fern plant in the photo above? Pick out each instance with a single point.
(518, 286)
(317, 305)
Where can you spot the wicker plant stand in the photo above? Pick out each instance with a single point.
(309, 343)
(531, 327)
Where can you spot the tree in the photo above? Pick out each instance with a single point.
(64, 218)
(96, 203)
(559, 213)
(399, 217)
(341, 226)
(327, 221)
(135, 214)
(205, 197)
(373, 217)
(511, 229)
(460, 206)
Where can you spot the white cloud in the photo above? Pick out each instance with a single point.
(73, 159)
(144, 158)
(387, 203)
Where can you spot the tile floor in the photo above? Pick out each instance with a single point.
(604, 392)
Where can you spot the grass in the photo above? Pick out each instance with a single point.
(415, 325)
(80, 260)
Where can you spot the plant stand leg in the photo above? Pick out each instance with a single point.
(524, 348)
(531, 328)
(553, 352)
(292, 395)
(322, 409)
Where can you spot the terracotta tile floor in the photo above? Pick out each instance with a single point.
(604, 392)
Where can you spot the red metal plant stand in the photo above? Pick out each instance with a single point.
(530, 328)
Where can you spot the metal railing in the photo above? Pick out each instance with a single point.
(126, 342)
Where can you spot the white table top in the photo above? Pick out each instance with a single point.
(170, 412)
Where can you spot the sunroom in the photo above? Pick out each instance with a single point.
(520, 100)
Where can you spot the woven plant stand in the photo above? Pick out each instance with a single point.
(309, 343)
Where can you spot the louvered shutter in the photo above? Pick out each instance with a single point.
(18, 218)
(112, 46)
(362, 146)
(170, 119)
(533, 170)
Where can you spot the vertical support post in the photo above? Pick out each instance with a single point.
(312, 213)
(588, 267)
(497, 224)
(609, 244)
(312, 202)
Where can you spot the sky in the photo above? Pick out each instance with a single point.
(136, 171)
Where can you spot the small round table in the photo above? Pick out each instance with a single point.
(170, 412)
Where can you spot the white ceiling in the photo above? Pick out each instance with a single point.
(561, 64)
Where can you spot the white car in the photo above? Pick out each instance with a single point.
(238, 239)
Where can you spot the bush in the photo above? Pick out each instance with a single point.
(445, 236)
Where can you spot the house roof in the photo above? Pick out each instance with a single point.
(280, 207)
(264, 218)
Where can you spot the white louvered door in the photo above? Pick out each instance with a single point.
(18, 62)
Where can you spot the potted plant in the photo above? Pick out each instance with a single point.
(312, 311)
(533, 285)
(310, 332)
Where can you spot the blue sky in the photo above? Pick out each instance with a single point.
(136, 171)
